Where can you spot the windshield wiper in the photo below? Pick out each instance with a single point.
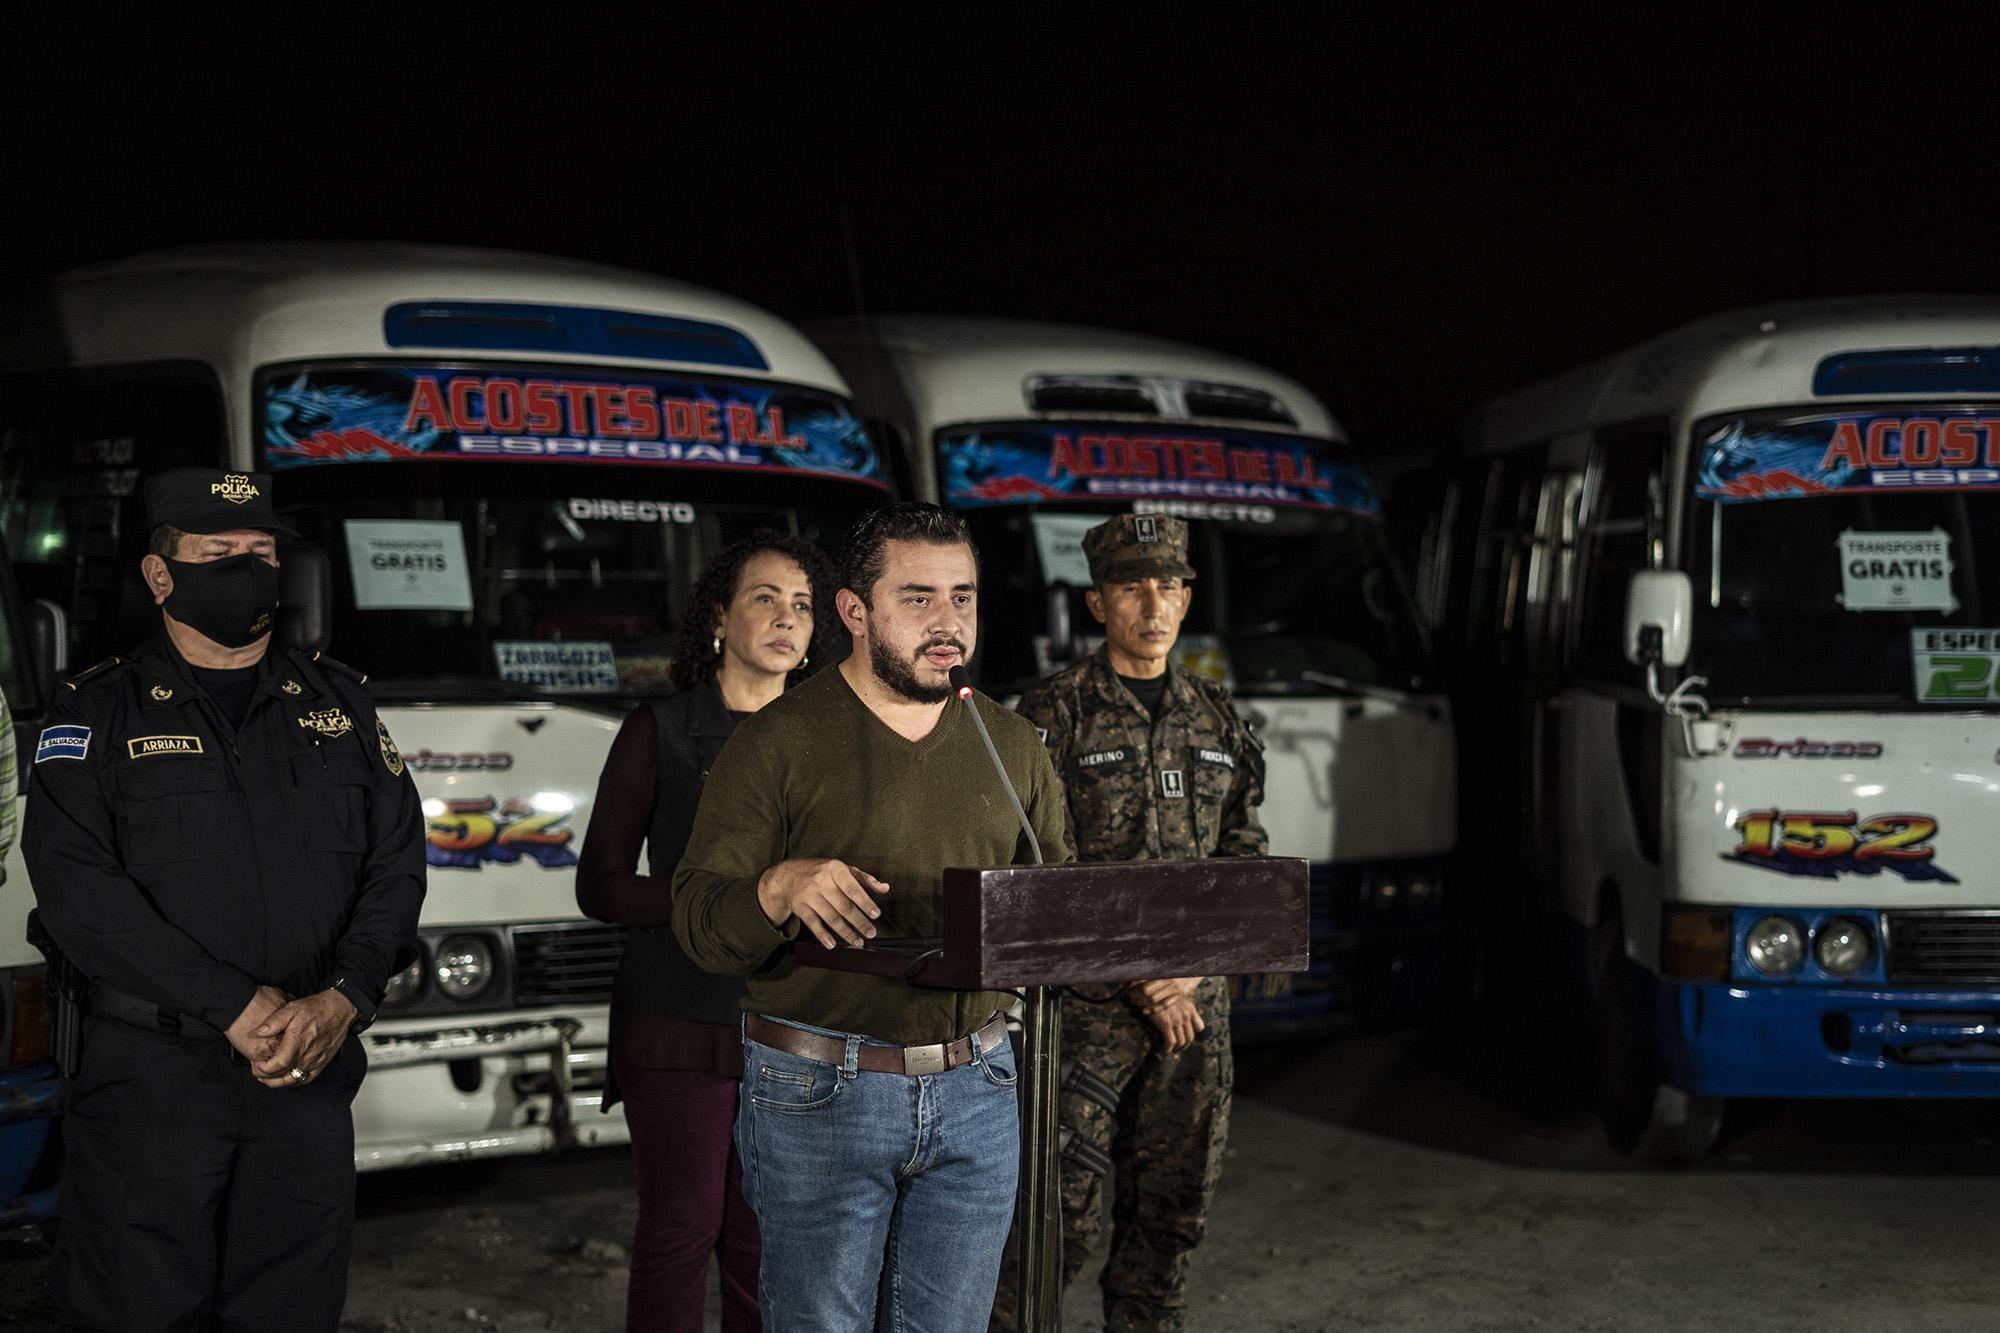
(1840, 703)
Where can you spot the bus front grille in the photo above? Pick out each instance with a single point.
(566, 964)
(1952, 947)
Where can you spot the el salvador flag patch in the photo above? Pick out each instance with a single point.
(65, 742)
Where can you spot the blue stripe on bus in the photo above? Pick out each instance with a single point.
(1910, 370)
(506, 326)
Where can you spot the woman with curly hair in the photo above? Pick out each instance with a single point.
(761, 613)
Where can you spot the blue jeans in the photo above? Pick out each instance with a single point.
(883, 1199)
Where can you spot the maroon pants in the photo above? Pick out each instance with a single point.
(690, 1203)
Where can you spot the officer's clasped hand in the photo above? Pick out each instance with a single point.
(305, 1034)
(242, 1034)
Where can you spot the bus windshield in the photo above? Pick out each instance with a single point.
(1295, 590)
(1837, 559)
(478, 548)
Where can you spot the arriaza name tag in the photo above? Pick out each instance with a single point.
(143, 747)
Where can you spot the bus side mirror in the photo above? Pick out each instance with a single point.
(48, 646)
(305, 593)
(1659, 615)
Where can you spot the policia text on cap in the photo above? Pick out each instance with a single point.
(225, 846)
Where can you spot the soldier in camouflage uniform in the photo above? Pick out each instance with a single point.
(1156, 763)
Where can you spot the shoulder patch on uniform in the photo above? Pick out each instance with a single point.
(64, 741)
(94, 672)
(1222, 757)
(335, 664)
(392, 758)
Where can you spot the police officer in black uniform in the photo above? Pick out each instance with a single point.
(224, 844)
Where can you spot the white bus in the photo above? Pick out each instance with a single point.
(1727, 625)
(1037, 432)
(507, 472)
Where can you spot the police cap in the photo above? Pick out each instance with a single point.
(201, 499)
(1138, 546)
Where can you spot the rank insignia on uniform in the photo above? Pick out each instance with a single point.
(64, 742)
(1145, 528)
(327, 722)
(1170, 783)
(292, 687)
(142, 747)
(392, 758)
(160, 694)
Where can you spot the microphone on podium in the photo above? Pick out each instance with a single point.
(961, 681)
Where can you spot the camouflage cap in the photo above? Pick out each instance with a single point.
(1138, 546)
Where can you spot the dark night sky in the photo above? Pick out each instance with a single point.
(1405, 212)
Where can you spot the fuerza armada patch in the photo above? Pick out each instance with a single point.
(63, 742)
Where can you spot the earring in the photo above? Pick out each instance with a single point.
(805, 661)
(718, 645)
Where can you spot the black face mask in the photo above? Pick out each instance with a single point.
(232, 601)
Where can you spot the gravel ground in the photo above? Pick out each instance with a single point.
(1393, 1181)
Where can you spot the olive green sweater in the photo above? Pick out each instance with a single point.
(816, 774)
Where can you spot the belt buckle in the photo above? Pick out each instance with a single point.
(921, 1060)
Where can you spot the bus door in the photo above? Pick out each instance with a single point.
(1544, 594)
(1511, 658)
(1608, 749)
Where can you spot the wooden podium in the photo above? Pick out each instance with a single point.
(1036, 928)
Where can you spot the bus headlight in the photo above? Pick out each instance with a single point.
(1776, 945)
(464, 967)
(1843, 946)
(403, 987)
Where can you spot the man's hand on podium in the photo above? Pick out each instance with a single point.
(1169, 1004)
(828, 897)
(1146, 994)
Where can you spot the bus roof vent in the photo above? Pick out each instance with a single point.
(505, 326)
(1129, 395)
(1234, 402)
(1155, 396)
(1910, 370)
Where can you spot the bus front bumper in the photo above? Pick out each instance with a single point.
(495, 1086)
(1724, 1040)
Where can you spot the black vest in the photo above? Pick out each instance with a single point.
(656, 976)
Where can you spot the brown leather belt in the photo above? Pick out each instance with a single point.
(912, 1060)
